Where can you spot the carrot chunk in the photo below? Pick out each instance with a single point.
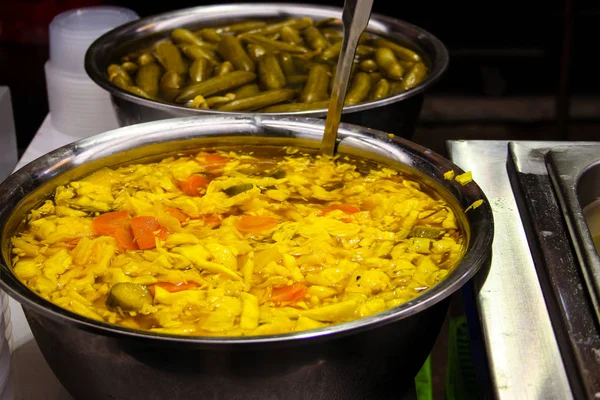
(108, 223)
(253, 224)
(177, 213)
(145, 230)
(288, 294)
(346, 208)
(195, 185)
(172, 288)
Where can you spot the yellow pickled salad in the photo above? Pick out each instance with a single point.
(235, 243)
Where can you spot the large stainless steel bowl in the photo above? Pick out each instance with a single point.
(398, 114)
(365, 359)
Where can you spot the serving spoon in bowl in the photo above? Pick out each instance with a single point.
(355, 18)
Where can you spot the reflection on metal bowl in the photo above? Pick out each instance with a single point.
(370, 358)
(398, 113)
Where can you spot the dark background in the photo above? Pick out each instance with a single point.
(499, 50)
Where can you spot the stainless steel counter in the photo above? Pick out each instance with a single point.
(521, 347)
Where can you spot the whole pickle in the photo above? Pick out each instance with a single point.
(296, 79)
(359, 89)
(332, 34)
(195, 52)
(317, 84)
(186, 36)
(215, 85)
(210, 35)
(270, 74)
(169, 85)
(224, 68)
(274, 44)
(241, 26)
(218, 100)
(130, 67)
(248, 90)
(275, 28)
(332, 51)
(231, 50)
(145, 58)
(284, 65)
(368, 65)
(170, 57)
(261, 100)
(315, 38)
(386, 60)
(255, 51)
(128, 296)
(287, 63)
(115, 70)
(380, 90)
(200, 70)
(290, 35)
(148, 78)
(414, 76)
(399, 50)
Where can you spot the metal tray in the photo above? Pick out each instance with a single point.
(572, 169)
(559, 270)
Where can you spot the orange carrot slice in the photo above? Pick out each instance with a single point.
(117, 225)
(108, 223)
(195, 185)
(211, 219)
(177, 213)
(288, 294)
(145, 229)
(124, 239)
(172, 288)
(253, 224)
(212, 161)
(215, 159)
(346, 208)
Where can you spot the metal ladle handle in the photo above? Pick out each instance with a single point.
(355, 18)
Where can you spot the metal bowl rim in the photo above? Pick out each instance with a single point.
(99, 77)
(470, 264)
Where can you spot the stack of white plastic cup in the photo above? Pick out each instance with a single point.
(5, 337)
(79, 107)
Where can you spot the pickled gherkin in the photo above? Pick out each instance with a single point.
(200, 70)
(270, 74)
(148, 78)
(128, 296)
(275, 66)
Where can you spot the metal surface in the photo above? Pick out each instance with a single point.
(398, 113)
(523, 354)
(362, 359)
(375, 364)
(572, 172)
(563, 285)
(355, 18)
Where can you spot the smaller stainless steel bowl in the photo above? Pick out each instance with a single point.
(398, 113)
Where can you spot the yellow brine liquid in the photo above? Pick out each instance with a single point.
(237, 243)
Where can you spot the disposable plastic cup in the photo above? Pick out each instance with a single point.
(78, 106)
(73, 31)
